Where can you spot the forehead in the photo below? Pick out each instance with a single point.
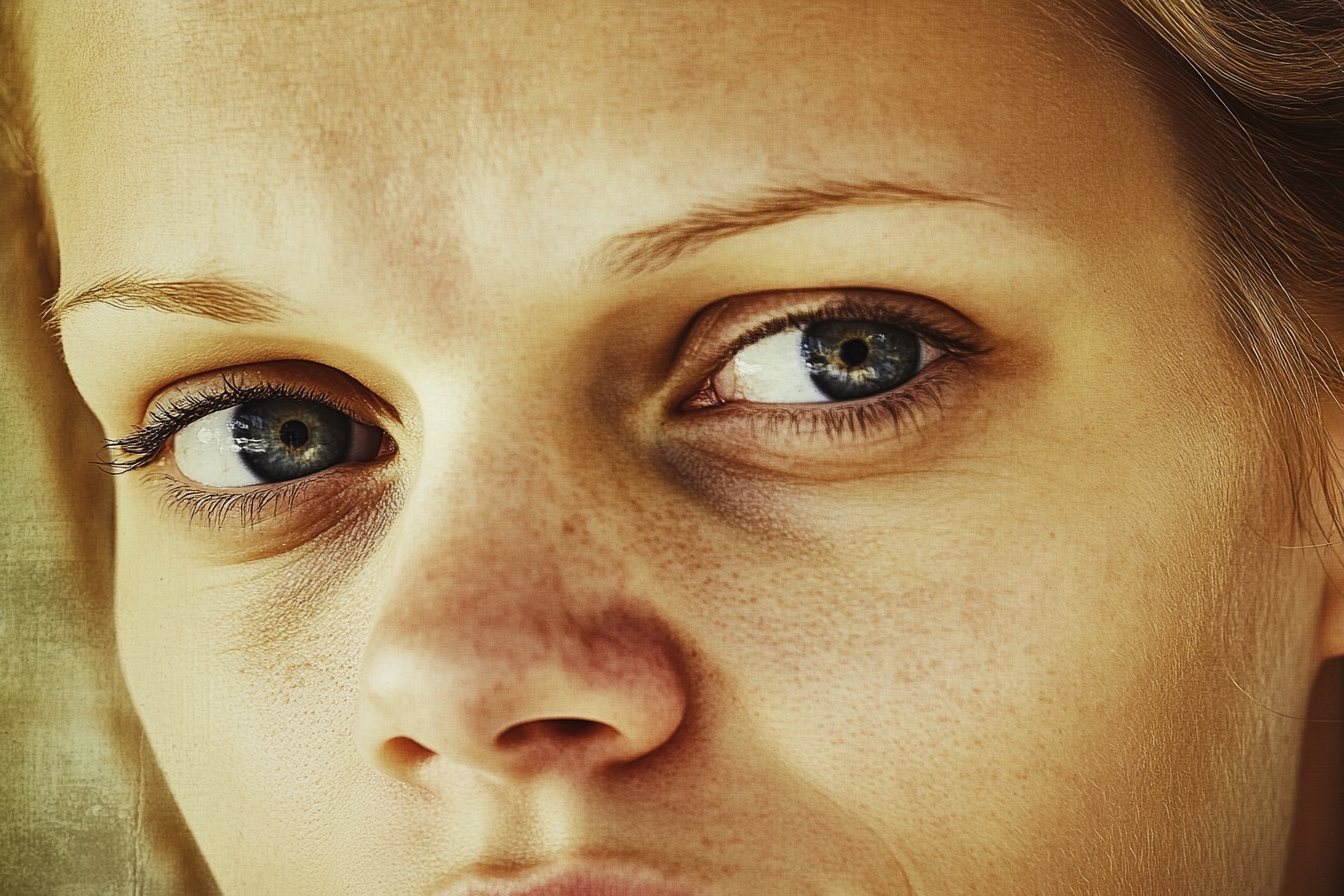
(449, 124)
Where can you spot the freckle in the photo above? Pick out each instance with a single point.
(567, 527)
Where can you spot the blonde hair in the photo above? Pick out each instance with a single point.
(18, 145)
(1255, 91)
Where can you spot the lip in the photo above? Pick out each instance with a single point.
(579, 882)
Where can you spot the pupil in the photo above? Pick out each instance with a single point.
(850, 359)
(294, 433)
(854, 352)
(281, 439)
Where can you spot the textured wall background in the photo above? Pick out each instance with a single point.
(83, 810)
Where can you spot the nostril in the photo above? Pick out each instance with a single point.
(572, 729)
(405, 752)
(554, 732)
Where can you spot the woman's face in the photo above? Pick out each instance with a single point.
(795, 450)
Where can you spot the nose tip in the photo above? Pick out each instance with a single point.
(574, 699)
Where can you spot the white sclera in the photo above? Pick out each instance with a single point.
(209, 452)
(770, 371)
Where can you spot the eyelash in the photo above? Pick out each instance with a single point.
(856, 418)
(145, 443)
(215, 507)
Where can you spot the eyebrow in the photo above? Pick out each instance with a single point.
(628, 254)
(222, 300)
(654, 248)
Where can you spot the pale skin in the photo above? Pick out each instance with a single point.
(1043, 632)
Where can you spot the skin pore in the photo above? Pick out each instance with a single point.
(1037, 620)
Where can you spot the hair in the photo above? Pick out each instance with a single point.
(15, 134)
(1255, 89)
(18, 145)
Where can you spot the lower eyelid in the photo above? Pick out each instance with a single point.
(302, 508)
(854, 417)
(835, 440)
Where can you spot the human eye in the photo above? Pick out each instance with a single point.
(823, 361)
(836, 363)
(269, 440)
(233, 439)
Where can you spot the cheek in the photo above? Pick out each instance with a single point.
(1001, 667)
(246, 679)
(960, 676)
(965, 666)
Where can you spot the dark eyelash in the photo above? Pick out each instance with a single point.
(857, 418)
(215, 507)
(954, 341)
(143, 444)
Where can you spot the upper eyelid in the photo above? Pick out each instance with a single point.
(961, 342)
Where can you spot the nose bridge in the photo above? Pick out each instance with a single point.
(507, 641)
(508, 477)
(500, 602)
(501, 537)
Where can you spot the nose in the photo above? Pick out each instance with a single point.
(495, 665)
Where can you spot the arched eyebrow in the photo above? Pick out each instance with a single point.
(222, 300)
(653, 248)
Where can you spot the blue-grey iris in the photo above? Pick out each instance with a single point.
(850, 359)
(280, 438)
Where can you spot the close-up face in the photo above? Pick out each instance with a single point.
(674, 448)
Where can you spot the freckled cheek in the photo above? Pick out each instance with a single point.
(247, 686)
(239, 670)
(892, 661)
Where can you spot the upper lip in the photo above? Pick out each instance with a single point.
(575, 882)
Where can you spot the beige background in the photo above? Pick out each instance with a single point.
(82, 807)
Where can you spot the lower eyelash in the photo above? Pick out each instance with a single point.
(894, 410)
(246, 508)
